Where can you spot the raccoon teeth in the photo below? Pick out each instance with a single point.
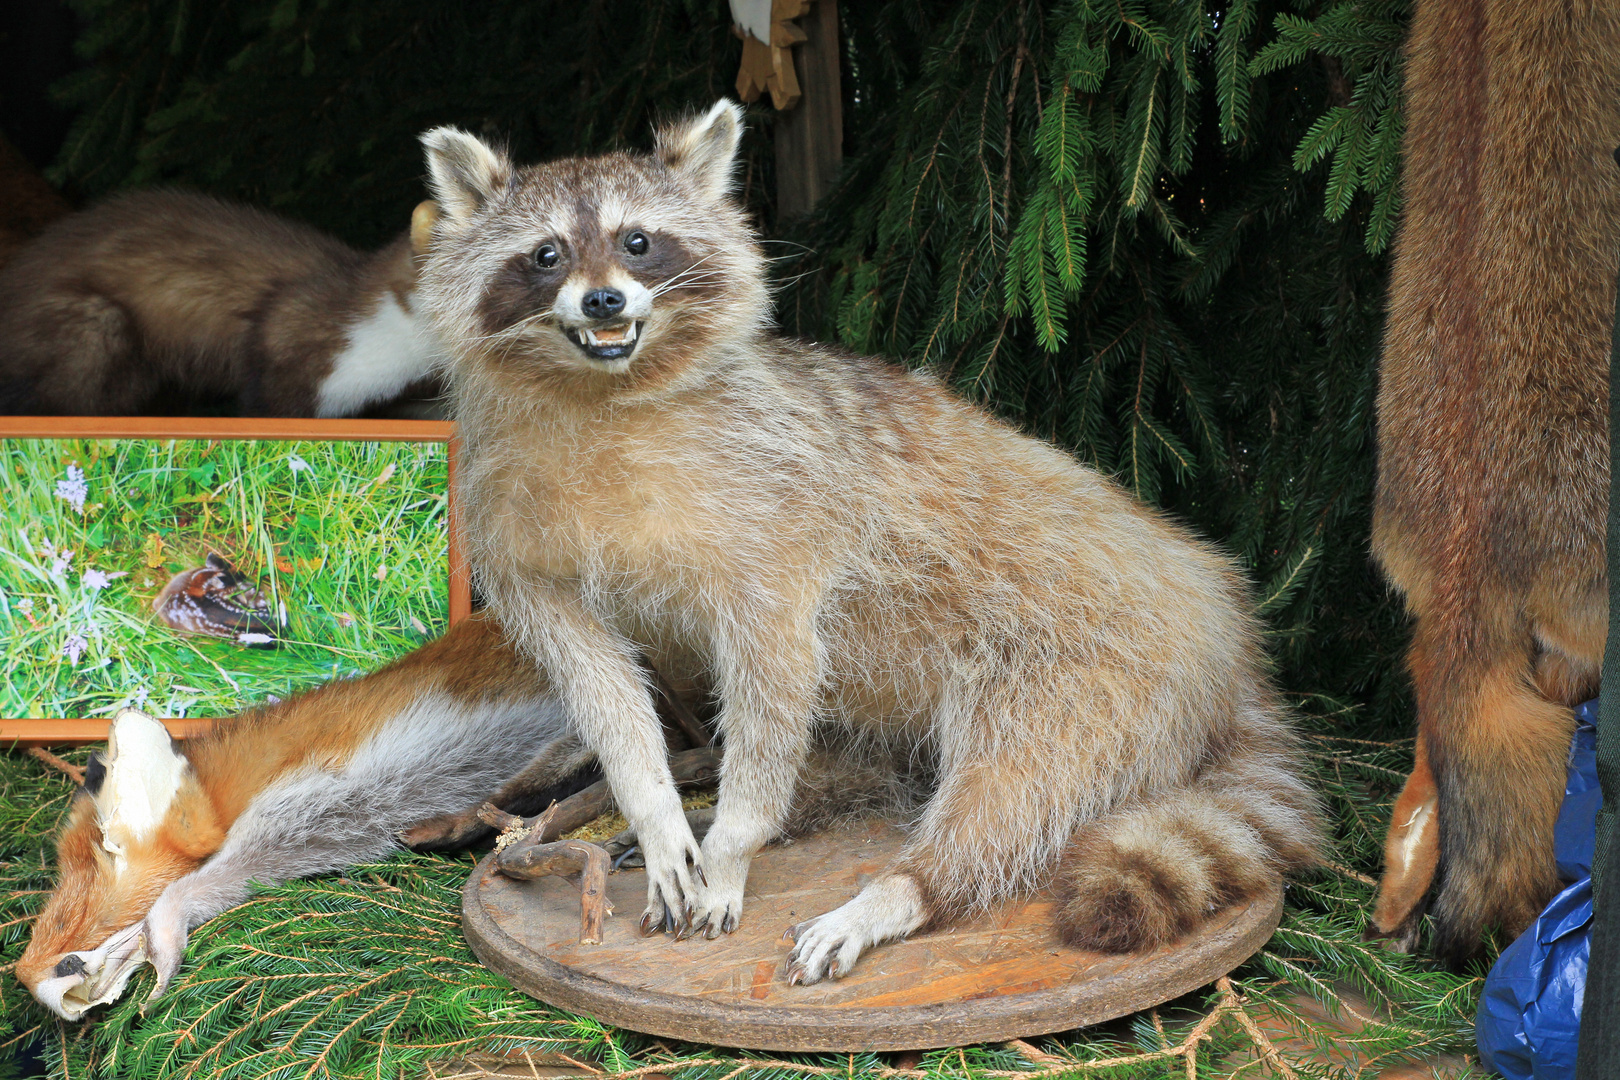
(607, 342)
(611, 335)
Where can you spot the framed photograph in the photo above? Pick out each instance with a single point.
(193, 567)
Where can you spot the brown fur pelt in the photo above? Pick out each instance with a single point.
(1493, 450)
(157, 301)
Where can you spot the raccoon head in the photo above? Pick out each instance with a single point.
(619, 271)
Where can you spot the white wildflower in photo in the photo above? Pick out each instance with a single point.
(59, 565)
(74, 647)
(298, 464)
(74, 489)
(95, 580)
(26, 606)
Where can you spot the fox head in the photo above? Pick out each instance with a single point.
(140, 822)
(619, 272)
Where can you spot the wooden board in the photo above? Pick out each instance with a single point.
(1000, 977)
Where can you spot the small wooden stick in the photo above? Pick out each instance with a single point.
(689, 723)
(75, 773)
(526, 860)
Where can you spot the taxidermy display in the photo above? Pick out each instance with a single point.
(1493, 459)
(215, 601)
(826, 538)
(160, 297)
(163, 837)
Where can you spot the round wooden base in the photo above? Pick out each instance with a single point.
(999, 977)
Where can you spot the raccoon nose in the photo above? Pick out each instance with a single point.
(603, 303)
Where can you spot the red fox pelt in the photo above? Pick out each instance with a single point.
(826, 538)
(1493, 467)
(160, 296)
(163, 837)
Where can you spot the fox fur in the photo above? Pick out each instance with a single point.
(1493, 467)
(821, 537)
(162, 837)
(157, 293)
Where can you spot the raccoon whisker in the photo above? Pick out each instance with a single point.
(670, 284)
(790, 243)
(516, 328)
(690, 282)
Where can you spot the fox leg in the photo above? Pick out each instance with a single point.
(1411, 854)
(1497, 749)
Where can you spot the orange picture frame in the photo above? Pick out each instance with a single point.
(75, 730)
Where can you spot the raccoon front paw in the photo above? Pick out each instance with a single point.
(674, 876)
(717, 908)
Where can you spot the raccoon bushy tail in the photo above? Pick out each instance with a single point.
(1152, 870)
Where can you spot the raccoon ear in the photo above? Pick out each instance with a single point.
(704, 149)
(464, 172)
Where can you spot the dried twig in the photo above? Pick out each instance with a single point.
(528, 859)
(74, 773)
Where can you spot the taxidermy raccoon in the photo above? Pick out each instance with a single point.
(1493, 466)
(163, 293)
(821, 536)
(162, 838)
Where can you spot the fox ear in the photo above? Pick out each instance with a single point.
(143, 771)
(464, 172)
(704, 149)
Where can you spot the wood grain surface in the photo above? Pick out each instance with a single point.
(999, 977)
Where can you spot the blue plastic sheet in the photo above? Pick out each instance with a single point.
(1529, 1018)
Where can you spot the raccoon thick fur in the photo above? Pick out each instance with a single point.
(155, 300)
(1493, 460)
(821, 536)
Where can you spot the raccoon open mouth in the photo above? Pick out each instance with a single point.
(607, 342)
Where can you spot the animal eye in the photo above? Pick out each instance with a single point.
(636, 243)
(546, 257)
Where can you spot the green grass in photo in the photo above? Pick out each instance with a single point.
(346, 541)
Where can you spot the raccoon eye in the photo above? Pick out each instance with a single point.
(546, 257)
(636, 243)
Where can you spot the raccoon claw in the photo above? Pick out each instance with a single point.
(655, 922)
